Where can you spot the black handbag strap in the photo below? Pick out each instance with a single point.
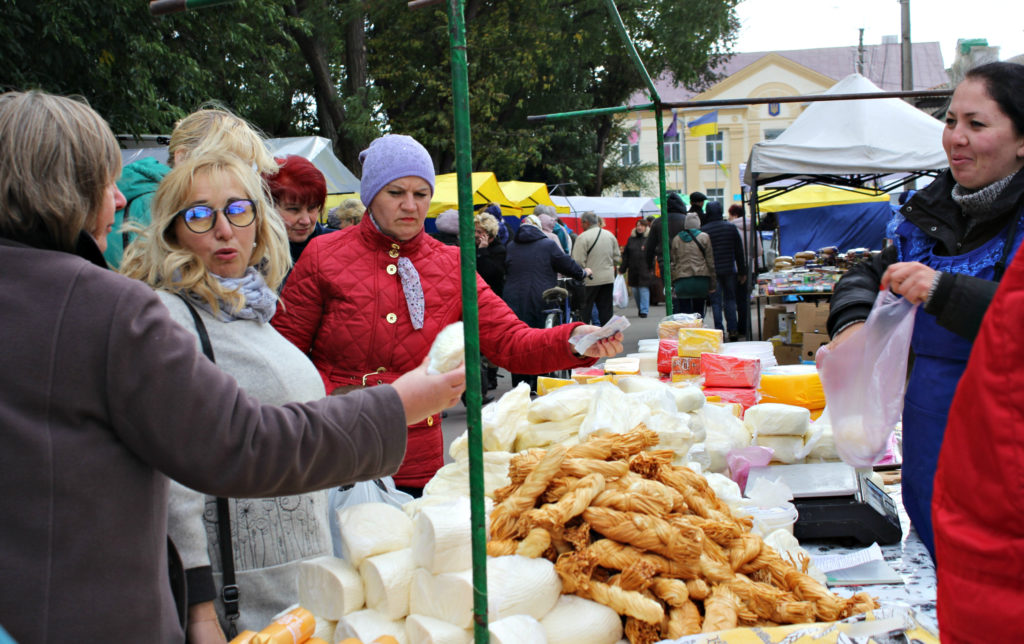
(229, 594)
(597, 238)
(695, 240)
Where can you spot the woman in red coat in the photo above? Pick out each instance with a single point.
(367, 302)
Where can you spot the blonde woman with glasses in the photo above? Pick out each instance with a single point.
(216, 246)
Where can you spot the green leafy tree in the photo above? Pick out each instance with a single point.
(143, 73)
(538, 57)
(351, 69)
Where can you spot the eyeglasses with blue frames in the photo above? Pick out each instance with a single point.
(201, 219)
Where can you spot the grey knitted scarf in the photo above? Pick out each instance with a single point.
(260, 299)
(974, 203)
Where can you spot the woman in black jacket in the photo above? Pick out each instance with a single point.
(490, 253)
(532, 266)
(634, 267)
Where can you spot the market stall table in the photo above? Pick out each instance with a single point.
(908, 557)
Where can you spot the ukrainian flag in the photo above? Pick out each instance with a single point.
(705, 125)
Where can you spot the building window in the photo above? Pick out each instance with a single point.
(716, 194)
(771, 135)
(713, 148)
(672, 149)
(630, 153)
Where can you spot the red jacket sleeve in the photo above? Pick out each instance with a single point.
(302, 302)
(510, 343)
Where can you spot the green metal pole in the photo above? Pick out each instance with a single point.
(591, 112)
(470, 317)
(659, 121)
(666, 276)
(631, 48)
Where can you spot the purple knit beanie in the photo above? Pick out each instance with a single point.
(391, 157)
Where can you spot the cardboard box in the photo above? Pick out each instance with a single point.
(812, 317)
(811, 343)
(788, 353)
(771, 320)
(787, 328)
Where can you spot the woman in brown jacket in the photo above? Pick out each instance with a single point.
(103, 398)
(693, 268)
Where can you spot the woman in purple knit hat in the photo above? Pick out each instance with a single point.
(366, 303)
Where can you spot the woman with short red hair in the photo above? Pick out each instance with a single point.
(299, 191)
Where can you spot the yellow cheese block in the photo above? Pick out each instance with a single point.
(693, 342)
(622, 366)
(546, 384)
(714, 399)
(816, 413)
(596, 379)
(792, 385)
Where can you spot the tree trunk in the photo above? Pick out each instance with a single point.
(355, 82)
(602, 133)
(329, 111)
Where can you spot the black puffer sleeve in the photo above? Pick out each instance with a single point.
(856, 291)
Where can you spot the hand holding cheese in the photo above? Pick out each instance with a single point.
(424, 395)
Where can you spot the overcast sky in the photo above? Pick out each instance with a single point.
(805, 24)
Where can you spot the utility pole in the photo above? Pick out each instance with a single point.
(860, 53)
(905, 47)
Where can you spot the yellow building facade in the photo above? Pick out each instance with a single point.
(712, 164)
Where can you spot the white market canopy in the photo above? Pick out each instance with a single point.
(608, 207)
(316, 149)
(877, 137)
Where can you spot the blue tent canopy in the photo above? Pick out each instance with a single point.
(856, 225)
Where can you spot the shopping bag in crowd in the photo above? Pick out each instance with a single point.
(376, 491)
(865, 377)
(620, 294)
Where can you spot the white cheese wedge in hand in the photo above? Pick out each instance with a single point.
(448, 350)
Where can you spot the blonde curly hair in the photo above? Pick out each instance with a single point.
(158, 259)
(214, 128)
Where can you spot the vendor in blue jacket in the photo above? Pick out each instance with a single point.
(951, 242)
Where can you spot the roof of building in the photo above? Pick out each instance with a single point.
(881, 66)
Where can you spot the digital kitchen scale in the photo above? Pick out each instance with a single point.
(836, 502)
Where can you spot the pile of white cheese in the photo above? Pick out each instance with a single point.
(411, 577)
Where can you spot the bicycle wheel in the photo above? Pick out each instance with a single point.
(553, 319)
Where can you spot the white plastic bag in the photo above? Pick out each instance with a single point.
(378, 491)
(865, 378)
(620, 294)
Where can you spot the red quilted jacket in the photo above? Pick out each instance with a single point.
(979, 484)
(343, 305)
